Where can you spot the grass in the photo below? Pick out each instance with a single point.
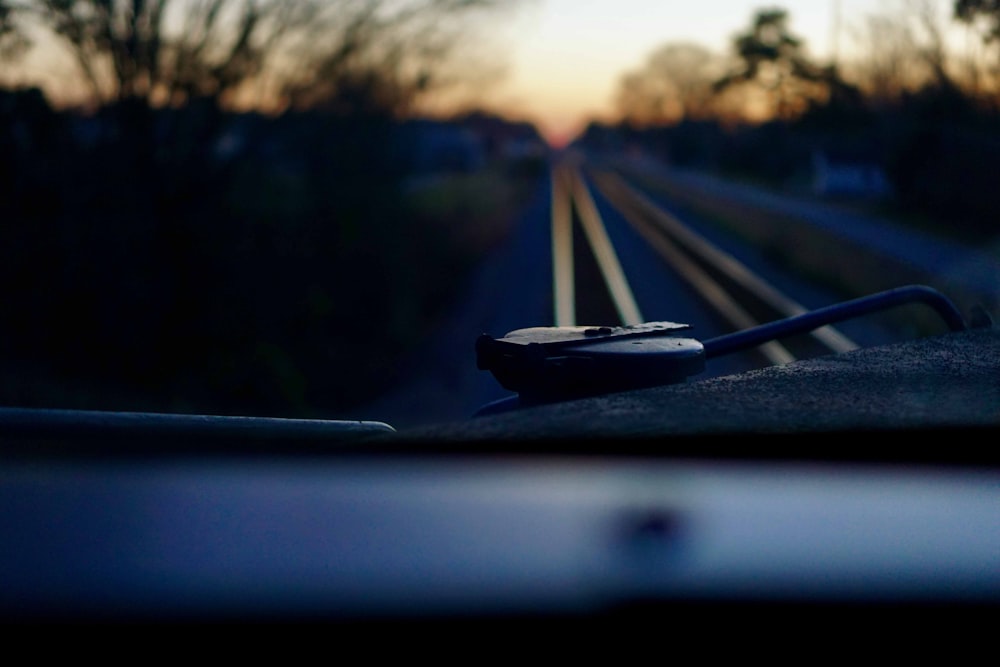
(844, 267)
(475, 210)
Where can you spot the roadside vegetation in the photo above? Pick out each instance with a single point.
(237, 208)
(903, 125)
(173, 243)
(904, 121)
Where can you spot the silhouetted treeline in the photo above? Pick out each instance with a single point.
(199, 260)
(936, 150)
(907, 120)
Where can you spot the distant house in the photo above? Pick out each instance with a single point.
(504, 139)
(466, 143)
(848, 174)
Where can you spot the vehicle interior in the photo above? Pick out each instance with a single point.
(305, 325)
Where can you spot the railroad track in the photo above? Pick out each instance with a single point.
(583, 256)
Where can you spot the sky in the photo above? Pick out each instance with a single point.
(565, 57)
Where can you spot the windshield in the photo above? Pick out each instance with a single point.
(431, 309)
(315, 209)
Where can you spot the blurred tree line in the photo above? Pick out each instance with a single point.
(222, 226)
(905, 100)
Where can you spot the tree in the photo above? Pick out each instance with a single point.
(890, 62)
(390, 55)
(363, 53)
(905, 51)
(984, 17)
(986, 12)
(934, 52)
(674, 84)
(13, 40)
(775, 61)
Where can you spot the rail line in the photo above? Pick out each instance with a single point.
(731, 291)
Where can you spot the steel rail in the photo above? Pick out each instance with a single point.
(563, 288)
(707, 287)
(655, 224)
(604, 251)
(722, 261)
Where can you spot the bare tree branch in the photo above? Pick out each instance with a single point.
(674, 84)
(344, 54)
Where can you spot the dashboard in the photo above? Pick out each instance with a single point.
(166, 530)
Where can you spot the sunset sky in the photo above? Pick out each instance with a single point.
(563, 59)
(566, 56)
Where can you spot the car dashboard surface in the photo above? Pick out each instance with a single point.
(162, 529)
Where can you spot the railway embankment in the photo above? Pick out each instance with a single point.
(943, 384)
(854, 253)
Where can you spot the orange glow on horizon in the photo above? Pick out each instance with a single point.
(559, 131)
(557, 137)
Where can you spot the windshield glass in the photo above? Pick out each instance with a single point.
(318, 209)
(452, 310)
